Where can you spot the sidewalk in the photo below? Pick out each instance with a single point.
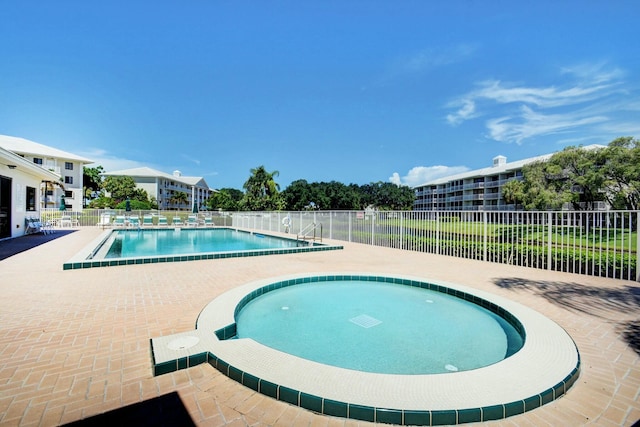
(75, 344)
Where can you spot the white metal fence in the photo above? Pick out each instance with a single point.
(594, 243)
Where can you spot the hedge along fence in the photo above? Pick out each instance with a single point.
(592, 243)
(605, 264)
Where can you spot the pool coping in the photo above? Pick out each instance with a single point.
(82, 259)
(542, 371)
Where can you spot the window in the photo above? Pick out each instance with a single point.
(68, 166)
(68, 180)
(37, 161)
(31, 199)
(68, 194)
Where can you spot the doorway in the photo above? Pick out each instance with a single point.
(5, 207)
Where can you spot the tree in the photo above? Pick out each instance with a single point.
(513, 192)
(541, 186)
(573, 175)
(387, 196)
(298, 195)
(179, 198)
(91, 181)
(262, 193)
(120, 187)
(621, 169)
(226, 199)
(583, 176)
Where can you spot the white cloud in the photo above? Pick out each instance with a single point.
(588, 99)
(428, 59)
(420, 174)
(109, 162)
(466, 112)
(530, 123)
(191, 159)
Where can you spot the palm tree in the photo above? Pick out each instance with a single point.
(262, 191)
(179, 198)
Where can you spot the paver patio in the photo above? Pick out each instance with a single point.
(75, 344)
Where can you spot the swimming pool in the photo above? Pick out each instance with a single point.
(423, 331)
(144, 246)
(544, 368)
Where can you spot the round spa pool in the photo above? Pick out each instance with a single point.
(378, 326)
(492, 357)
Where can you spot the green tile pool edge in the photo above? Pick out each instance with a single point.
(367, 413)
(75, 265)
(397, 416)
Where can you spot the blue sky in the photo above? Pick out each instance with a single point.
(351, 91)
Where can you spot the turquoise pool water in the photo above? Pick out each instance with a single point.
(149, 246)
(378, 327)
(155, 242)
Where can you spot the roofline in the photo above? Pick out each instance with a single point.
(11, 141)
(9, 158)
(515, 165)
(157, 174)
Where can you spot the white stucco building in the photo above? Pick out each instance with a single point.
(163, 186)
(479, 189)
(21, 197)
(67, 166)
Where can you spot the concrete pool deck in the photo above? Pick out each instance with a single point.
(76, 344)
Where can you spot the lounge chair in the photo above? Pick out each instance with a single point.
(119, 221)
(33, 226)
(134, 221)
(147, 220)
(192, 220)
(66, 221)
(208, 221)
(177, 221)
(105, 220)
(162, 221)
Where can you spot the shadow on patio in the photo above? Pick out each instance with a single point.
(595, 301)
(10, 247)
(167, 410)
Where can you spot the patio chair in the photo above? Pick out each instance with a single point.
(134, 221)
(33, 226)
(66, 221)
(119, 221)
(105, 220)
(162, 221)
(192, 220)
(208, 221)
(147, 221)
(177, 221)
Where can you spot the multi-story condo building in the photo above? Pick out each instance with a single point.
(67, 166)
(479, 189)
(163, 186)
(20, 198)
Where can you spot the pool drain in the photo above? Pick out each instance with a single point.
(365, 321)
(183, 343)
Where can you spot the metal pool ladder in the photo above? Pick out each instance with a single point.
(309, 233)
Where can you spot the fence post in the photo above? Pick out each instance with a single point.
(401, 230)
(549, 222)
(637, 244)
(438, 233)
(484, 236)
(349, 216)
(373, 228)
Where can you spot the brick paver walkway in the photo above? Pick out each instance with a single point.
(76, 344)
